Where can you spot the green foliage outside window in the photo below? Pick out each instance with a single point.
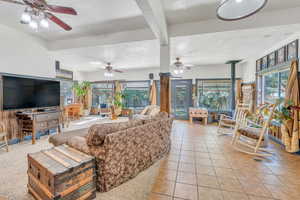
(214, 95)
(136, 98)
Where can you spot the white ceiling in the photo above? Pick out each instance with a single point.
(94, 17)
(104, 17)
(182, 11)
(214, 48)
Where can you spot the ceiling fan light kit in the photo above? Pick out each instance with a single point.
(179, 67)
(108, 74)
(230, 10)
(26, 17)
(39, 13)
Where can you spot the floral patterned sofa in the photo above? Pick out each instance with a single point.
(123, 150)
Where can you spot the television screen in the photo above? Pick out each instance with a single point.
(19, 93)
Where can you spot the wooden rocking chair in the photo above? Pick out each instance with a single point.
(3, 136)
(250, 139)
(227, 123)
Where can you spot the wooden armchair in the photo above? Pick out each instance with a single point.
(250, 138)
(3, 136)
(228, 123)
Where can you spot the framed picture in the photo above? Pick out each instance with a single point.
(292, 50)
(264, 62)
(272, 59)
(258, 65)
(281, 55)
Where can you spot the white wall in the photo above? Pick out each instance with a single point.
(24, 55)
(208, 71)
(248, 66)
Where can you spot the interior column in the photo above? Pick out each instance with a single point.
(233, 81)
(165, 82)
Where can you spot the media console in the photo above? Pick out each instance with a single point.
(33, 122)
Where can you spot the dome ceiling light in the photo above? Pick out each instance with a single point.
(230, 10)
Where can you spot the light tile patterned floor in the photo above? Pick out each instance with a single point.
(203, 166)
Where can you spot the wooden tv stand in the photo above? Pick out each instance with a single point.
(33, 122)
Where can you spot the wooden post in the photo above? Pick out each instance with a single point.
(165, 94)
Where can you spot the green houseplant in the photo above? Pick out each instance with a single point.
(117, 104)
(81, 91)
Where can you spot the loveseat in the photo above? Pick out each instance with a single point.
(123, 150)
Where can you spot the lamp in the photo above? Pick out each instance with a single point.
(230, 10)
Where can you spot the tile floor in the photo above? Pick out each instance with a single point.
(203, 166)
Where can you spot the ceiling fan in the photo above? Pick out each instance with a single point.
(109, 70)
(40, 10)
(179, 67)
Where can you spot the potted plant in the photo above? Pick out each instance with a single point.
(81, 92)
(283, 114)
(117, 104)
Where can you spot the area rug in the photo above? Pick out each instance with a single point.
(13, 171)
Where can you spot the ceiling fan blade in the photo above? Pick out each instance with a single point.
(58, 21)
(61, 9)
(14, 1)
(119, 71)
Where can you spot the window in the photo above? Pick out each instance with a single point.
(136, 94)
(157, 92)
(214, 94)
(284, 77)
(271, 84)
(66, 91)
(274, 85)
(259, 90)
(102, 94)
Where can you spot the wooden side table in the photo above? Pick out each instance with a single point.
(199, 113)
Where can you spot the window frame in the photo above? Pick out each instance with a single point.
(262, 89)
(61, 80)
(215, 79)
(137, 81)
(101, 88)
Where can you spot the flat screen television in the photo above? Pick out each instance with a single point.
(20, 93)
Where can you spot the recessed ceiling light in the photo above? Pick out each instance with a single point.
(96, 63)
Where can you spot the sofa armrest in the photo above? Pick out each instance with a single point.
(79, 143)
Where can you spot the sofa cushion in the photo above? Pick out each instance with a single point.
(98, 132)
(62, 138)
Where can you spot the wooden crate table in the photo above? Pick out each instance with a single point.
(61, 173)
(199, 113)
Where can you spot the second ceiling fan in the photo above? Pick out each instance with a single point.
(109, 71)
(179, 67)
